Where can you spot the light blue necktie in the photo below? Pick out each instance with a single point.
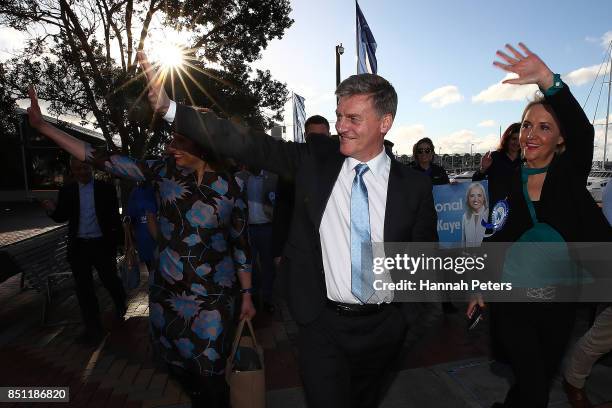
(362, 277)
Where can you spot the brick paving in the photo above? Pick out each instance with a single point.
(120, 370)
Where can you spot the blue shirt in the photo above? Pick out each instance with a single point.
(256, 200)
(88, 222)
(142, 201)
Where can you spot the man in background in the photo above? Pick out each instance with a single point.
(92, 211)
(315, 125)
(260, 187)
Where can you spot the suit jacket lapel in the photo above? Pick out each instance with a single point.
(324, 183)
(393, 209)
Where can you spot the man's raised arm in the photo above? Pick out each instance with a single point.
(222, 136)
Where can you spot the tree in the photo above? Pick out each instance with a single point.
(8, 118)
(82, 57)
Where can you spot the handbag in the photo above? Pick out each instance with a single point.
(244, 371)
(129, 267)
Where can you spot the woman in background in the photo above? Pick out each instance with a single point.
(423, 153)
(497, 167)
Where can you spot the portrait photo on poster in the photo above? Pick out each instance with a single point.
(463, 213)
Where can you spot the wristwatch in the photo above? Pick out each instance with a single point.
(247, 290)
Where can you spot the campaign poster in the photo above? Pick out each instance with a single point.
(461, 208)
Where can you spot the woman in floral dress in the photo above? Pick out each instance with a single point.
(203, 247)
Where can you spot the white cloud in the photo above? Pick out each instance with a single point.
(11, 42)
(602, 121)
(443, 96)
(462, 140)
(487, 123)
(405, 136)
(505, 92)
(585, 75)
(599, 144)
(605, 39)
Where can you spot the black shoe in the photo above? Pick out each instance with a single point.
(497, 405)
(448, 308)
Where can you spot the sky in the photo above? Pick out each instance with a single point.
(438, 55)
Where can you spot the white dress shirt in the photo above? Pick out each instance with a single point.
(335, 229)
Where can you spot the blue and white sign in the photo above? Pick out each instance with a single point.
(461, 208)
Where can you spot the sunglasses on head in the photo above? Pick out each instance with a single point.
(426, 150)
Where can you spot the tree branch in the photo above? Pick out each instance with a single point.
(85, 81)
(129, 9)
(145, 26)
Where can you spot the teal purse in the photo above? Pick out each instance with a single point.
(540, 257)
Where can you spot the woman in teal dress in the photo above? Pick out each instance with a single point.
(203, 253)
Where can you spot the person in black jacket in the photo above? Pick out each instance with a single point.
(349, 334)
(548, 202)
(94, 230)
(498, 166)
(423, 153)
(283, 210)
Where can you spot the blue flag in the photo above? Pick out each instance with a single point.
(366, 46)
(299, 118)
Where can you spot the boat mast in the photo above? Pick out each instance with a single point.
(608, 108)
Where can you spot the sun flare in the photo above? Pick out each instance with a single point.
(169, 55)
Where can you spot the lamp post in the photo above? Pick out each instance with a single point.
(471, 155)
(339, 52)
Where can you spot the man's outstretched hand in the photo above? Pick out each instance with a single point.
(156, 94)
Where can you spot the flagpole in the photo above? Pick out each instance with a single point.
(293, 116)
(357, 36)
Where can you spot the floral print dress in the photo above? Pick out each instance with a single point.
(203, 243)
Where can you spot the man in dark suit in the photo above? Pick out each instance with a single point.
(283, 210)
(92, 211)
(349, 193)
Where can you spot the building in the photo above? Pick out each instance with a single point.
(32, 166)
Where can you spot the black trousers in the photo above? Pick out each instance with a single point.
(88, 253)
(533, 338)
(345, 360)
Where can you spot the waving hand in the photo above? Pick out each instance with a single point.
(527, 65)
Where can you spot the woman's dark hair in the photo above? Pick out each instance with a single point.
(423, 140)
(541, 100)
(505, 139)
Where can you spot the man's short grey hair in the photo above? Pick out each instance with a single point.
(384, 97)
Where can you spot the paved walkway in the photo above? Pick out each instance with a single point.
(19, 221)
(441, 365)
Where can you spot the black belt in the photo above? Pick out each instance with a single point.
(354, 309)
